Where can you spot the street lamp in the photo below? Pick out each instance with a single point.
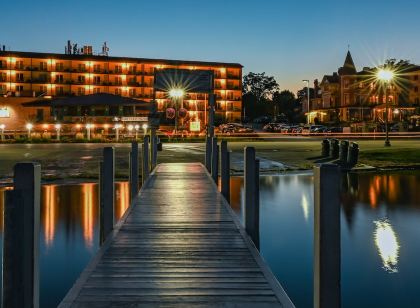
(145, 126)
(136, 127)
(58, 128)
(307, 97)
(117, 131)
(130, 129)
(88, 127)
(2, 127)
(386, 76)
(176, 94)
(29, 127)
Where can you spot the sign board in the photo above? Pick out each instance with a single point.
(195, 126)
(134, 119)
(197, 81)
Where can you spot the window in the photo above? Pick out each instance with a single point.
(59, 91)
(132, 92)
(82, 67)
(43, 66)
(97, 68)
(96, 90)
(39, 115)
(19, 88)
(43, 89)
(80, 91)
(118, 91)
(346, 83)
(346, 99)
(19, 77)
(132, 69)
(81, 79)
(59, 78)
(3, 77)
(19, 65)
(118, 69)
(4, 112)
(118, 81)
(59, 66)
(96, 79)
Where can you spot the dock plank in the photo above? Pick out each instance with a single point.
(178, 245)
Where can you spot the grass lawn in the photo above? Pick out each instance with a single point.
(61, 161)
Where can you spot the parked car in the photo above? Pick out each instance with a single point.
(334, 130)
(231, 128)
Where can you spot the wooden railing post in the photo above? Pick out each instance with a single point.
(214, 160)
(21, 238)
(208, 153)
(252, 195)
(107, 192)
(327, 252)
(225, 170)
(134, 170)
(145, 167)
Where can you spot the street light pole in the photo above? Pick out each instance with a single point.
(387, 142)
(308, 99)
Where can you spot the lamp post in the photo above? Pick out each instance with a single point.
(145, 126)
(130, 129)
(386, 76)
(88, 127)
(29, 127)
(136, 127)
(2, 127)
(307, 98)
(176, 94)
(117, 131)
(58, 128)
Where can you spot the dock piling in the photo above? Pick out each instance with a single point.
(145, 167)
(134, 169)
(225, 170)
(252, 195)
(21, 238)
(106, 192)
(214, 159)
(327, 252)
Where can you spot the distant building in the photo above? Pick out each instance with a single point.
(28, 77)
(353, 96)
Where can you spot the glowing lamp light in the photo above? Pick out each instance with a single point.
(136, 127)
(57, 126)
(385, 75)
(130, 127)
(45, 126)
(176, 93)
(29, 126)
(106, 126)
(78, 126)
(145, 126)
(2, 126)
(117, 126)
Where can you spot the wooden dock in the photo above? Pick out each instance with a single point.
(179, 245)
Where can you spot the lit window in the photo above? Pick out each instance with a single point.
(4, 112)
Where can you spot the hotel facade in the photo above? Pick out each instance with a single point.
(352, 96)
(28, 80)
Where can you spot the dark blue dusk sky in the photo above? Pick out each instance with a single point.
(292, 40)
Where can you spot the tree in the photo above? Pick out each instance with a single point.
(288, 105)
(262, 87)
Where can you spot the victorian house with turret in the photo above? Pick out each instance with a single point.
(351, 96)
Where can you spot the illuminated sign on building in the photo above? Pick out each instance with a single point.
(195, 126)
(196, 81)
(4, 112)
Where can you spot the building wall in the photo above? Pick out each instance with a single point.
(33, 75)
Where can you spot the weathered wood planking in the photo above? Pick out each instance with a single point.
(180, 245)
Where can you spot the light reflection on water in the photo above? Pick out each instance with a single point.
(380, 222)
(69, 234)
(380, 232)
(387, 243)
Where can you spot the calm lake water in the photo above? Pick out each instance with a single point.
(380, 235)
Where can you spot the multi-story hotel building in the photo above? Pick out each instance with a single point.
(353, 96)
(28, 77)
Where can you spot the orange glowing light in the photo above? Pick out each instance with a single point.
(49, 224)
(88, 199)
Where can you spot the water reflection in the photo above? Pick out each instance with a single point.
(387, 243)
(69, 233)
(372, 246)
